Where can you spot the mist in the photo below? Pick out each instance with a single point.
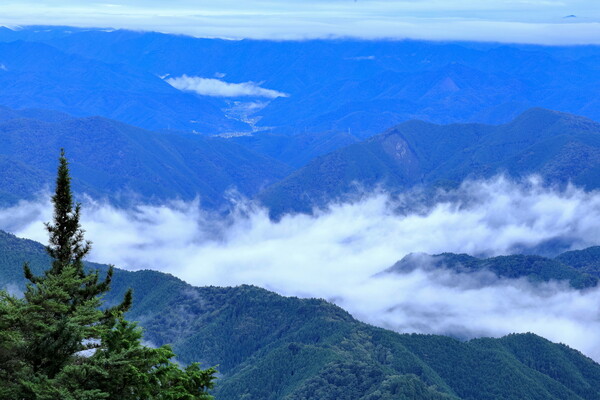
(338, 252)
(219, 88)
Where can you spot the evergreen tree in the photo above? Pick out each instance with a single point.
(58, 343)
(11, 365)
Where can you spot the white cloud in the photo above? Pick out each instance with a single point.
(219, 88)
(534, 21)
(336, 254)
(472, 305)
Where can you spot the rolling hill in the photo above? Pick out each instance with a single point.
(296, 150)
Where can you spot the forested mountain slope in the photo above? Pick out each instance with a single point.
(296, 150)
(587, 260)
(273, 347)
(568, 266)
(560, 147)
(114, 160)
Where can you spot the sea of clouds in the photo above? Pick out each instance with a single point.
(338, 253)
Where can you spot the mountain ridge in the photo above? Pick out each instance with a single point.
(558, 146)
(274, 347)
(364, 86)
(535, 269)
(111, 159)
(37, 75)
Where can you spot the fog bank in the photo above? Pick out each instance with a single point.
(335, 253)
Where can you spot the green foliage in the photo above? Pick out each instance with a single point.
(58, 342)
(126, 370)
(587, 260)
(67, 246)
(11, 340)
(271, 347)
(314, 350)
(535, 269)
(362, 381)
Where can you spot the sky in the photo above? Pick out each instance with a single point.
(515, 21)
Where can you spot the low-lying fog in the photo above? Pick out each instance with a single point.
(335, 254)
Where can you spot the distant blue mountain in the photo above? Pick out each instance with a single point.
(340, 92)
(561, 147)
(114, 160)
(359, 87)
(36, 75)
(296, 150)
(6, 114)
(535, 269)
(110, 159)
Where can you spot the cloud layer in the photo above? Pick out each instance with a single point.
(336, 253)
(219, 88)
(532, 21)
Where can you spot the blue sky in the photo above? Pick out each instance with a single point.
(525, 21)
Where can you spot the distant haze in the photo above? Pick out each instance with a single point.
(520, 21)
(336, 254)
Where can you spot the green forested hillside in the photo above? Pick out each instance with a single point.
(587, 260)
(560, 147)
(534, 268)
(115, 160)
(273, 347)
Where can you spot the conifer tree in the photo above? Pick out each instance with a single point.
(58, 343)
(11, 365)
(62, 307)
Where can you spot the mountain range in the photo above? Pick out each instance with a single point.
(560, 147)
(360, 87)
(271, 347)
(348, 117)
(123, 163)
(36, 75)
(535, 269)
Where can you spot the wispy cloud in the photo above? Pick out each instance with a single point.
(534, 21)
(219, 88)
(337, 254)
